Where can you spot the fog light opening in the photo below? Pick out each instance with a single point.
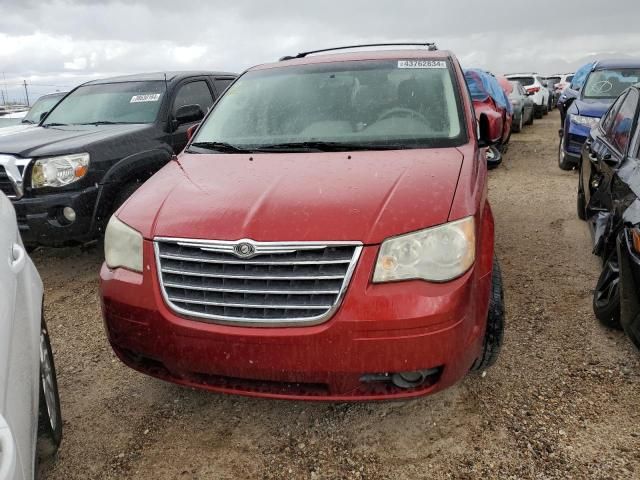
(69, 214)
(414, 379)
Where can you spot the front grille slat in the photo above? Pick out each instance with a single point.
(280, 284)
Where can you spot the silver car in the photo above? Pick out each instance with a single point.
(30, 421)
(523, 107)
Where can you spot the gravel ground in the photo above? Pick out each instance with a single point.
(562, 402)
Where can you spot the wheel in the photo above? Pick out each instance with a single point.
(517, 127)
(49, 417)
(581, 205)
(606, 295)
(563, 161)
(494, 157)
(545, 109)
(530, 119)
(495, 322)
(125, 193)
(537, 112)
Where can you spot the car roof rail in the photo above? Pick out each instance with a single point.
(430, 46)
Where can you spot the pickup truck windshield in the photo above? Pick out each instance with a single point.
(607, 84)
(337, 106)
(126, 102)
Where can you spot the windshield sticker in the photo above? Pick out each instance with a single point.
(422, 64)
(151, 97)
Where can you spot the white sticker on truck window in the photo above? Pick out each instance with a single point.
(151, 97)
(422, 64)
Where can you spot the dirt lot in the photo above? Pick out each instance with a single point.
(562, 402)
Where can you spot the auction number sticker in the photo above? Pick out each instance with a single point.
(422, 64)
(151, 97)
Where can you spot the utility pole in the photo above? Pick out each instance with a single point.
(26, 92)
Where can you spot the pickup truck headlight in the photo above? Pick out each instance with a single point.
(59, 171)
(437, 254)
(122, 246)
(589, 122)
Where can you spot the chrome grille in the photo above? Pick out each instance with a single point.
(269, 284)
(6, 185)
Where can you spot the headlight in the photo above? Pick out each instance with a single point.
(585, 121)
(122, 246)
(436, 254)
(59, 171)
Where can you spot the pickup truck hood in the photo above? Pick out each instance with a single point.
(41, 141)
(364, 196)
(592, 108)
(15, 129)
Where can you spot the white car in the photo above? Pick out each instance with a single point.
(30, 421)
(532, 83)
(21, 121)
(565, 81)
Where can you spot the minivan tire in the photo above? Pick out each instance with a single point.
(494, 333)
(49, 415)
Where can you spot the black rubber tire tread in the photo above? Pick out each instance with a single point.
(608, 315)
(581, 205)
(562, 162)
(516, 126)
(494, 334)
(48, 439)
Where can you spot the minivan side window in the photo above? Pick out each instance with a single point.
(620, 132)
(194, 93)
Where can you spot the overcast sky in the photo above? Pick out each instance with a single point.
(55, 45)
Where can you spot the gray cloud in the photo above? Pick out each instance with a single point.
(64, 42)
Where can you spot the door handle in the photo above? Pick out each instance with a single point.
(18, 258)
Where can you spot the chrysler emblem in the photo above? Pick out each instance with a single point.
(244, 250)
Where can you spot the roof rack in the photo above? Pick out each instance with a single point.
(429, 45)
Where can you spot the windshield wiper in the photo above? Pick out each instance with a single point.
(55, 125)
(318, 146)
(105, 122)
(218, 147)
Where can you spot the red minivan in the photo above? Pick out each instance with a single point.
(325, 235)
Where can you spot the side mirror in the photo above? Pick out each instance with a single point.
(489, 133)
(191, 130)
(43, 115)
(188, 114)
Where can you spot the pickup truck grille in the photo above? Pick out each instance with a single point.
(6, 185)
(268, 284)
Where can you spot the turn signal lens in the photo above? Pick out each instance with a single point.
(635, 236)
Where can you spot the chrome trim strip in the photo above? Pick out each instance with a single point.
(261, 322)
(257, 292)
(250, 277)
(250, 305)
(11, 164)
(246, 262)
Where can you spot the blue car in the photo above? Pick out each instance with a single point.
(572, 91)
(605, 81)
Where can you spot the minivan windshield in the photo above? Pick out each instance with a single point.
(608, 84)
(109, 103)
(339, 106)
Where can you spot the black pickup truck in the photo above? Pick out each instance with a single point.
(67, 176)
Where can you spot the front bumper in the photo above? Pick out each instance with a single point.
(40, 221)
(379, 329)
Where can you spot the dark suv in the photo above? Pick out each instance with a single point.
(96, 147)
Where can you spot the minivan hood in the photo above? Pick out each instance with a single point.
(41, 141)
(593, 108)
(361, 196)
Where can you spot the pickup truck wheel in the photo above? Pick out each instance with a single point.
(606, 295)
(49, 416)
(495, 322)
(125, 193)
